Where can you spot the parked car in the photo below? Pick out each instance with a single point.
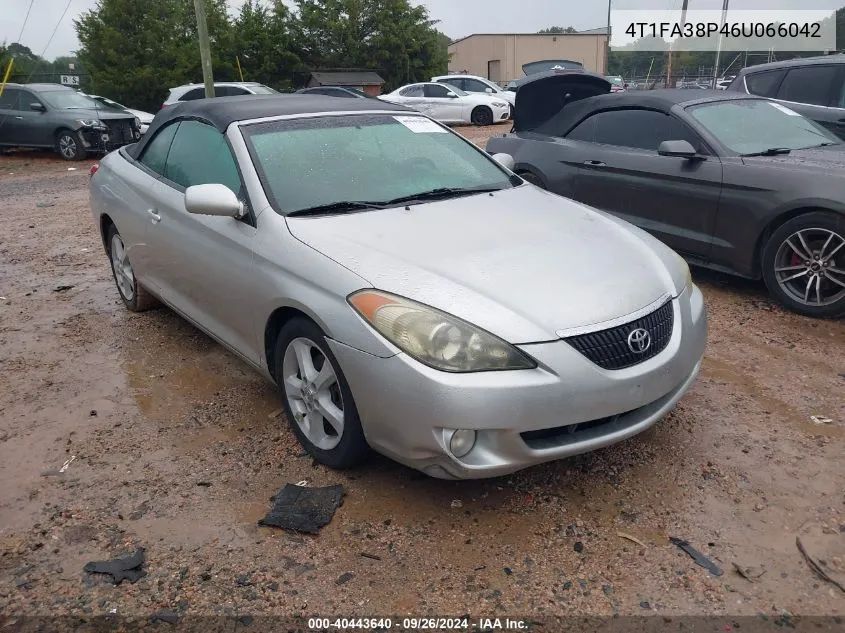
(812, 86)
(336, 91)
(617, 84)
(460, 357)
(449, 104)
(191, 92)
(57, 117)
(145, 118)
(473, 84)
(732, 182)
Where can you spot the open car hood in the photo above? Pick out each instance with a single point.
(533, 68)
(541, 96)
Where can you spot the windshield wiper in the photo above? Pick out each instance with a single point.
(443, 193)
(772, 151)
(344, 206)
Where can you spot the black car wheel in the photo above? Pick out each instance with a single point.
(316, 397)
(482, 115)
(69, 145)
(804, 264)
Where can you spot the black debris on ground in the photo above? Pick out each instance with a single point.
(700, 559)
(344, 578)
(304, 509)
(122, 568)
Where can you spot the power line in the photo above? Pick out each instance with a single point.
(61, 17)
(26, 18)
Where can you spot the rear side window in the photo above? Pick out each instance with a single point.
(155, 154)
(808, 84)
(412, 91)
(584, 131)
(473, 85)
(10, 99)
(764, 84)
(199, 155)
(436, 91)
(639, 129)
(230, 91)
(459, 83)
(191, 95)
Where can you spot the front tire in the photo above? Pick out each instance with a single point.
(482, 115)
(316, 397)
(134, 296)
(804, 264)
(69, 145)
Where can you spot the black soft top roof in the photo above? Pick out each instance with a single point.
(660, 100)
(221, 112)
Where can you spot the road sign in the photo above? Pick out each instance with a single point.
(70, 80)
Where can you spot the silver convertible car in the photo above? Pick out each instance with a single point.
(406, 291)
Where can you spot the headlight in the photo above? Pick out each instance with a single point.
(434, 338)
(137, 123)
(688, 280)
(94, 123)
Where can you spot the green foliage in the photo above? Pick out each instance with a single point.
(558, 29)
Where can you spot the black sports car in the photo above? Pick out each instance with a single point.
(732, 182)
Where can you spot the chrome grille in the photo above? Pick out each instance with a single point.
(609, 349)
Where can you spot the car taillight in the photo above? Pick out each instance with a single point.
(163, 106)
(93, 169)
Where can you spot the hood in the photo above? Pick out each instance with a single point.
(523, 264)
(540, 97)
(813, 160)
(482, 98)
(144, 117)
(532, 68)
(94, 113)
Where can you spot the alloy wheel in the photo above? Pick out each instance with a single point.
(810, 266)
(123, 274)
(67, 146)
(313, 393)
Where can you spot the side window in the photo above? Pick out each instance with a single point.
(199, 155)
(194, 93)
(764, 84)
(808, 84)
(584, 131)
(26, 98)
(473, 85)
(10, 99)
(230, 91)
(840, 100)
(640, 129)
(458, 83)
(155, 154)
(436, 91)
(412, 91)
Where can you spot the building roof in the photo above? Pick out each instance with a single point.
(348, 78)
(221, 112)
(592, 33)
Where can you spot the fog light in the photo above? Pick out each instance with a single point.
(461, 442)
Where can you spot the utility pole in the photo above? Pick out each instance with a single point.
(205, 49)
(607, 47)
(671, 46)
(719, 49)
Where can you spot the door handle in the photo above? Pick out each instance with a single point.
(155, 218)
(594, 163)
(19, 117)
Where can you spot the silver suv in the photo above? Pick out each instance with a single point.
(189, 92)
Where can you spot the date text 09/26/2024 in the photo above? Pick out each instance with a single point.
(417, 624)
(807, 30)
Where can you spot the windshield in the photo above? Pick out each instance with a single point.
(615, 80)
(750, 126)
(374, 158)
(68, 99)
(263, 90)
(109, 103)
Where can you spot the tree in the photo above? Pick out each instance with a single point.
(263, 44)
(135, 51)
(392, 37)
(558, 29)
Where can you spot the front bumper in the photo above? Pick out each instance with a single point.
(407, 410)
(108, 139)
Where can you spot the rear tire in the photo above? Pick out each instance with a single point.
(134, 296)
(69, 145)
(482, 115)
(316, 397)
(803, 264)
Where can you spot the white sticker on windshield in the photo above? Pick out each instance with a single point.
(783, 109)
(420, 125)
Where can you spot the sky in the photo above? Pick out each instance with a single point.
(457, 17)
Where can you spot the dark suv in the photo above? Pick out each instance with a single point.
(812, 86)
(55, 116)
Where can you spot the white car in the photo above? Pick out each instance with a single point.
(475, 84)
(144, 117)
(189, 92)
(449, 104)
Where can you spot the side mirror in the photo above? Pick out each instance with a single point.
(678, 149)
(489, 91)
(38, 107)
(215, 199)
(505, 160)
(451, 95)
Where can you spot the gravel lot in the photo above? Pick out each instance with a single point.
(177, 447)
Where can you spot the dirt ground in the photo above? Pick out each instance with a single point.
(177, 446)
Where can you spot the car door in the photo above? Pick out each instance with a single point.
(812, 91)
(618, 169)
(204, 262)
(34, 126)
(9, 116)
(411, 96)
(442, 102)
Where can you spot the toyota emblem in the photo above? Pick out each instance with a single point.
(639, 341)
